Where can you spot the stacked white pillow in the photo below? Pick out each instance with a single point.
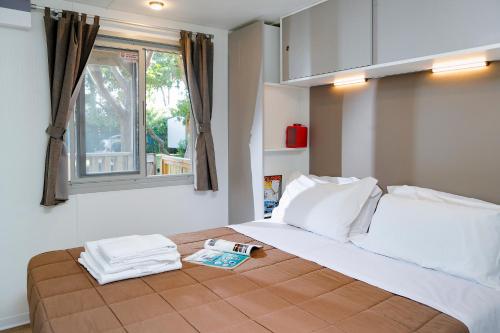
(449, 233)
(328, 206)
(421, 193)
(292, 190)
(362, 222)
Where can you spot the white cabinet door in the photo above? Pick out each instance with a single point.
(331, 36)
(405, 29)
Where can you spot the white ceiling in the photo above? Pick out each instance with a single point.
(225, 14)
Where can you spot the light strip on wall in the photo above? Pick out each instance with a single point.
(349, 80)
(456, 66)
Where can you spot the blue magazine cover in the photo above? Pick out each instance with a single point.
(222, 254)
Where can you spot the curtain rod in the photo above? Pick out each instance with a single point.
(134, 24)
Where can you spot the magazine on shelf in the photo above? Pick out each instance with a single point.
(272, 193)
(222, 254)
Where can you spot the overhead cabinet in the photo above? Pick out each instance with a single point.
(406, 29)
(375, 38)
(332, 36)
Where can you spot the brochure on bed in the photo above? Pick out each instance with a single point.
(222, 254)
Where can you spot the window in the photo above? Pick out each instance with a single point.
(107, 113)
(131, 126)
(167, 115)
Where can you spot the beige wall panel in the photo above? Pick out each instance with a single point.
(325, 132)
(433, 130)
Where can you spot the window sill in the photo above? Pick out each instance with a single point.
(129, 184)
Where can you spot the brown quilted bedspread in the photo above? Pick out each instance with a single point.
(273, 292)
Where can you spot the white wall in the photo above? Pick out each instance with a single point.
(26, 228)
(271, 50)
(256, 158)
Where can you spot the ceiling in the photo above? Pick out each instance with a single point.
(224, 14)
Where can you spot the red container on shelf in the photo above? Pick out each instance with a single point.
(296, 136)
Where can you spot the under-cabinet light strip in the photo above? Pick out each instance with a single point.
(351, 80)
(458, 66)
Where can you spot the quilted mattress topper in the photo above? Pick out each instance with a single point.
(272, 292)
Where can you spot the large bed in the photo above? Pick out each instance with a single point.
(298, 282)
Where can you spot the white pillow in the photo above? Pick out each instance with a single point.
(294, 188)
(456, 239)
(335, 180)
(364, 219)
(362, 222)
(421, 193)
(329, 209)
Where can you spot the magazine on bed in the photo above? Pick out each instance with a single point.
(222, 254)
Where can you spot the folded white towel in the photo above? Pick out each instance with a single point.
(129, 248)
(92, 249)
(103, 278)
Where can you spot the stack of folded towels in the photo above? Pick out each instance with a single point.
(115, 259)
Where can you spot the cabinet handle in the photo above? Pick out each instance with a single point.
(287, 48)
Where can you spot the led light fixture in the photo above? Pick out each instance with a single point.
(459, 65)
(156, 5)
(349, 80)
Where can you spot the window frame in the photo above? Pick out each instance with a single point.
(80, 141)
(129, 179)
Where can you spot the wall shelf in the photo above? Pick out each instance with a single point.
(284, 150)
(273, 84)
(283, 106)
(272, 107)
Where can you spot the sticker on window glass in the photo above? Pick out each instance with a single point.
(129, 56)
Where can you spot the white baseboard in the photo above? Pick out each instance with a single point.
(14, 321)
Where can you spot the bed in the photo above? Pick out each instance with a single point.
(291, 285)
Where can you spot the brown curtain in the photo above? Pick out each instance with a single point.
(69, 43)
(198, 57)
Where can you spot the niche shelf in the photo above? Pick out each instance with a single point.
(284, 150)
(284, 105)
(260, 110)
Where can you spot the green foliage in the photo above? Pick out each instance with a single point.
(181, 151)
(156, 122)
(182, 110)
(108, 101)
(163, 71)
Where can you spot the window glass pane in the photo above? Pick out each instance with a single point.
(168, 123)
(107, 113)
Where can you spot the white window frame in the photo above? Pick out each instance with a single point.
(127, 180)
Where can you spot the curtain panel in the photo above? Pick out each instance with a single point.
(198, 58)
(69, 43)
